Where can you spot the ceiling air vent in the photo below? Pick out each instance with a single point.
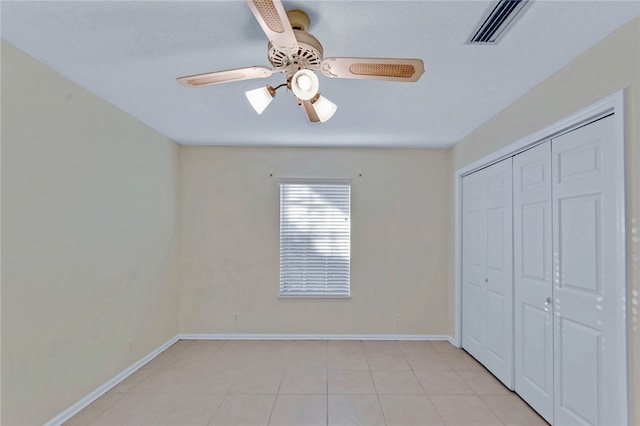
(498, 19)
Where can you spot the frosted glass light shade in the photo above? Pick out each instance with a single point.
(324, 108)
(305, 84)
(260, 98)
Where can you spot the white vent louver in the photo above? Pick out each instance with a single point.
(497, 21)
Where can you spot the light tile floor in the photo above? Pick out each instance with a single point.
(305, 383)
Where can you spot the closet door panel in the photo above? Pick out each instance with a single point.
(590, 381)
(533, 321)
(499, 278)
(474, 265)
(487, 308)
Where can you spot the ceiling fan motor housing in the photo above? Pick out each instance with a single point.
(307, 56)
(309, 52)
(298, 19)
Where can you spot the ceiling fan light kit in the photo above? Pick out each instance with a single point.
(305, 84)
(323, 107)
(261, 97)
(298, 54)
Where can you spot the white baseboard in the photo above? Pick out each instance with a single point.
(205, 336)
(84, 402)
(454, 341)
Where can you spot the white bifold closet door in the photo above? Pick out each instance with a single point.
(569, 288)
(532, 259)
(588, 285)
(487, 290)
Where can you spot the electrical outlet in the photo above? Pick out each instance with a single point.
(235, 317)
(397, 318)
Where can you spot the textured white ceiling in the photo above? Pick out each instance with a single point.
(130, 52)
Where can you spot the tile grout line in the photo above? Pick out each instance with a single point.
(326, 421)
(384, 418)
(228, 392)
(275, 400)
(216, 410)
(491, 409)
(429, 396)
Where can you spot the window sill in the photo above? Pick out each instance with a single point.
(313, 297)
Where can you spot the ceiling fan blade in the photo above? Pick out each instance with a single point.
(311, 113)
(392, 69)
(273, 19)
(226, 76)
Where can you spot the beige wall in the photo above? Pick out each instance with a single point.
(88, 241)
(229, 216)
(611, 65)
(92, 199)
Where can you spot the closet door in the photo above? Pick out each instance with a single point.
(487, 291)
(533, 319)
(589, 331)
(474, 264)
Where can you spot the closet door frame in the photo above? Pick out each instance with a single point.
(613, 104)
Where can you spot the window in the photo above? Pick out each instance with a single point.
(315, 238)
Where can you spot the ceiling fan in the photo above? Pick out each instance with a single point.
(298, 54)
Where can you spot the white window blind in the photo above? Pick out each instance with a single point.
(315, 239)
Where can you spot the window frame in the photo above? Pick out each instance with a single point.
(311, 182)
